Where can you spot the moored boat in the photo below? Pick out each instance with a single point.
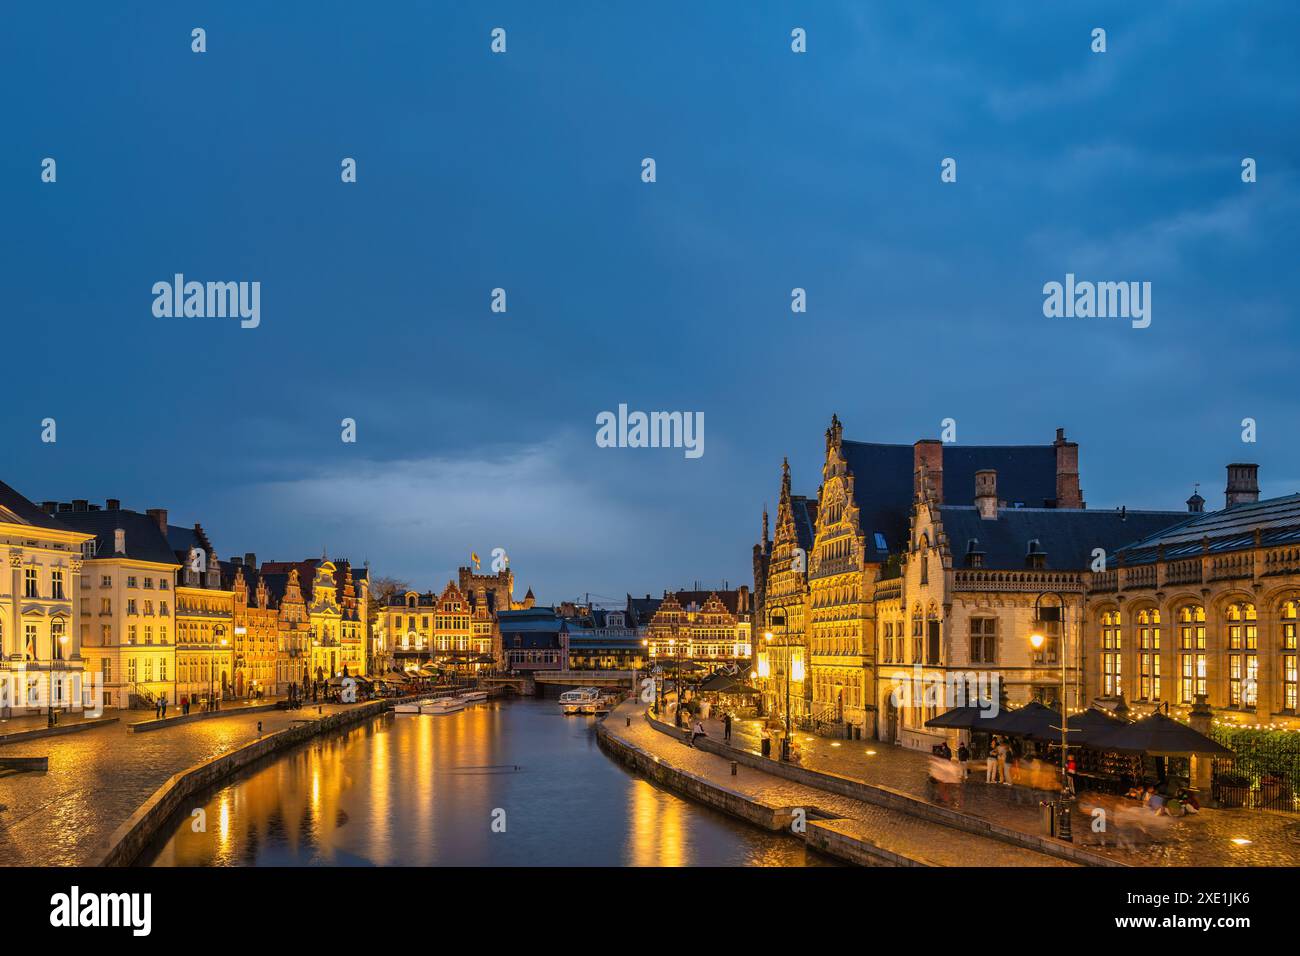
(445, 705)
(581, 700)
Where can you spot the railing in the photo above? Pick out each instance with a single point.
(1187, 571)
(979, 580)
(1228, 566)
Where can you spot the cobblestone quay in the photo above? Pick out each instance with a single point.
(98, 778)
(890, 833)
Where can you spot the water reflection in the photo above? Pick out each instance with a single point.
(422, 791)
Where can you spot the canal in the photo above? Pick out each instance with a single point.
(503, 783)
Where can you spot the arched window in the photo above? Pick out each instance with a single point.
(918, 635)
(1111, 665)
(1148, 633)
(1243, 661)
(1289, 661)
(1191, 653)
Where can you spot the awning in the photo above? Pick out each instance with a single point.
(1159, 736)
(961, 718)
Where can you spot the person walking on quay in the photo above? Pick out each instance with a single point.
(1004, 763)
(185, 704)
(698, 731)
(726, 727)
(963, 756)
(163, 705)
(157, 709)
(991, 762)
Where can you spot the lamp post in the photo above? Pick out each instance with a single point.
(783, 620)
(57, 641)
(1038, 638)
(219, 633)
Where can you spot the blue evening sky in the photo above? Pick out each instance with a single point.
(522, 170)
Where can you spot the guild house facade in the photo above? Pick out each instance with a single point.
(939, 560)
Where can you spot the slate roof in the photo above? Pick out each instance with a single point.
(27, 512)
(883, 482)
(535, 619)
(144, 539)
(1231, 529)
(1068, 536)
(804, 512)
(642, 609)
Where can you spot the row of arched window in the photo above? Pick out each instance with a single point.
(1240, 654)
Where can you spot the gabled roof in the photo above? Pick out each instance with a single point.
(730, 599)
(804, 512)
(883, 482)
(144, 539)
(1067, 535)
(25, 511)
(1231, 529)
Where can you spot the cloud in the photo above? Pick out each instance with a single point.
(424, 515)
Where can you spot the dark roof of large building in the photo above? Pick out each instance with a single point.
(26, 512)
(1232, 529)
(804, 512)
(642, 609)
(1067, 536)
(144, 539)
(530, 619)
(883, 482)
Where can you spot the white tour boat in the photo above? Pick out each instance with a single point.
(411, 708)
(474, 696)
(582, 700)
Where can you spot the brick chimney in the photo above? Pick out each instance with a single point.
(80, 504)
(250, 560)
(113, 504)
(927, 459)
(1068, 492)
(986, 493)
(159, 516)
(1243, 485)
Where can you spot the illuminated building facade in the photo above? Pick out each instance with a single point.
(708, 627)
(127, 628)
(1208, 607)
(42, 663)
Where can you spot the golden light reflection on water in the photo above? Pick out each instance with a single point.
(420, 790)
(656, 836)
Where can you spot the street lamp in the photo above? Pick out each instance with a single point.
(1038, 639)
(783, 620)
(57, 642)
(219, 632)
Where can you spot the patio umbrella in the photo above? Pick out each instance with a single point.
(961, 718)
(1091, 724)
(1032, 720)
(721, 683)
(1159, 736)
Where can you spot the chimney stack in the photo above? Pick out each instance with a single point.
(986, 493)
(1243, 485)
(113, 504)
(159, 516)
(49, 507)
(250, 560)
(1068, 492)
(927, 460)
(79, 504)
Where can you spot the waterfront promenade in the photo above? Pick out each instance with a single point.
(98, 777)
(892, 831)
(1135, 836)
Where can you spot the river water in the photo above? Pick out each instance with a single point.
(502, 783)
